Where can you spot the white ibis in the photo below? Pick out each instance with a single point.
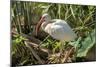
(56, 28)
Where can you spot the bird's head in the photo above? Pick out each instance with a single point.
(45, 18)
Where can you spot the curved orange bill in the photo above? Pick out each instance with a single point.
(39, 25)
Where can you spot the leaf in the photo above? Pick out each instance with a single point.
(76, 43)
(87, 44)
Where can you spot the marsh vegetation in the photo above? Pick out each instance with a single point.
(28, 49)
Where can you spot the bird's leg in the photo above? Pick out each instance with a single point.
(54, 49)
(62, 47)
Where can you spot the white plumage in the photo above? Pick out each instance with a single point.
(57, 28)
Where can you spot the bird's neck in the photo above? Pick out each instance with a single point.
(44, 24)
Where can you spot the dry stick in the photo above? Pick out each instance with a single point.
(45, 39)
(35, 55)
(67, 55)
(28, 37)
(33, 39)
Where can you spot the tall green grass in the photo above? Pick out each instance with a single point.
(25, 15)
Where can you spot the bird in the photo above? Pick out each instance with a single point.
(57, 28)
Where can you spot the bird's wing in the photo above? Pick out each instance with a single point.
(57, 32)
(61, 30)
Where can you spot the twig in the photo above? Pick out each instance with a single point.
(33, 39)
(35, 55)
(45, 39)
(67, 54)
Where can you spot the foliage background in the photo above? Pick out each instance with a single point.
(24, 17)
